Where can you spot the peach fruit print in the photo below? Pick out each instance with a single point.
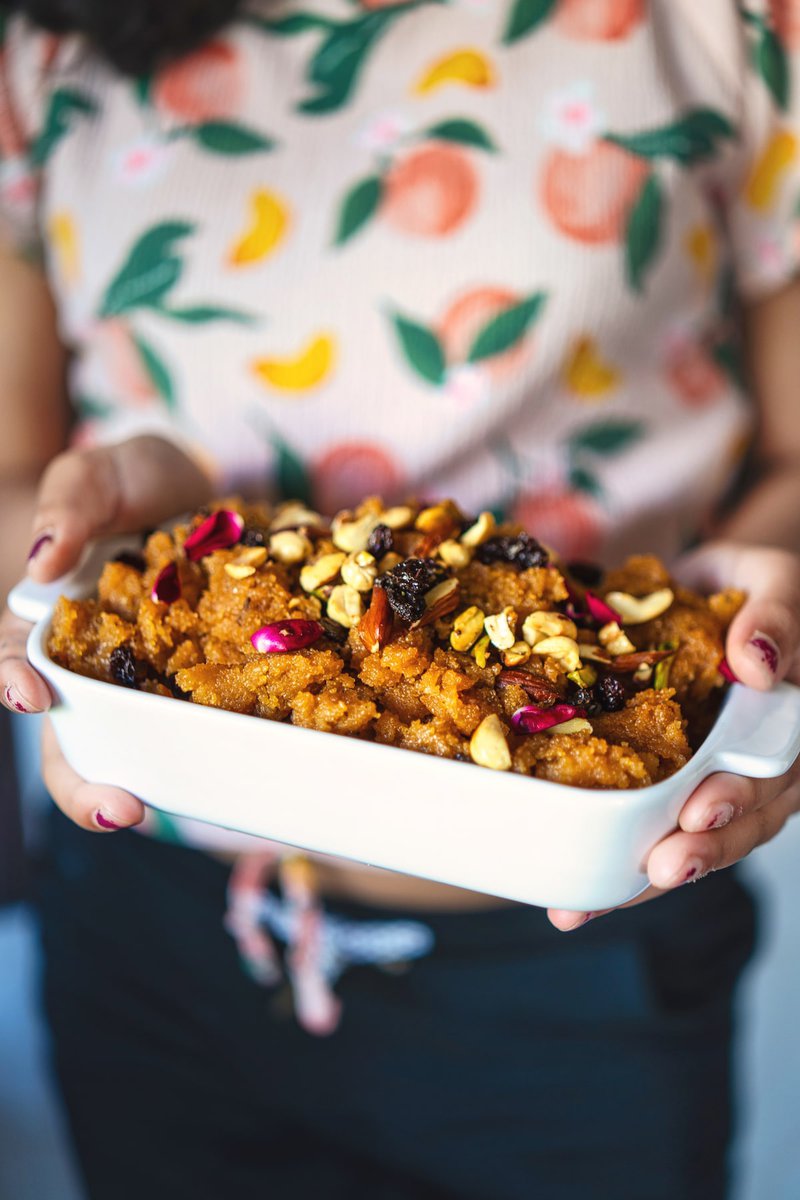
(581, 20)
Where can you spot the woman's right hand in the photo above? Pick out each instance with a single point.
(86, 494)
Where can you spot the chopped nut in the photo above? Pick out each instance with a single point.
(488, 746)
(547, 624)
(353, 536)
(375, 627)
(289, 547)
(519, 653)
(439, 601)
(480, 651)
(636, 610)
(360, 570)
(576, 725)
(563, 649)
(615, 640)
(467, 628)
(252, 556)
(389, 562)
(477, 534)
(239, 570)
(594, 653)
(398, 517)
(454, 555)
(441, 518)
(322, 571)
(643, 673)
(500, 628)
(293, 516)
(586, 677)
(345, 606)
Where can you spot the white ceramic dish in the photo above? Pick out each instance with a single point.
(524, 839)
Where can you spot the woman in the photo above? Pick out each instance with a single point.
(496, 251)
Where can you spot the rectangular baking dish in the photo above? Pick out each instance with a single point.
(520, 838)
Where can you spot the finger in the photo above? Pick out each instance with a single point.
(723, 798)
(764, 637)
(113, 489)
(566, 919)
(92, 806)
(22, 689)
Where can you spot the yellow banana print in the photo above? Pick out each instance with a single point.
(307, 370)
(763, 186)
(467, 67)
(586, 373)
(63, 235)
(700, 244)
(266, 232)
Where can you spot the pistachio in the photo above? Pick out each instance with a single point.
(576, 725)
(615, 640)
(288, 546)
(519, 653)
(345, 606)
(540, 625)
(500, 628)
(454, 555)
(563, 649)
(480, 651)
(477, 534)
(397, 517)
(488, 746)
(636, 610)
(322, 571)
(360, 570)
(252, 556)
(239, 570)
(586, 677)
(353, 536)
(467, 628)
(293, 515)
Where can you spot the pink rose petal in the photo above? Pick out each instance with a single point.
(167, 587)
(724, 668)
(292, 634)
(600, 611)
(532, 719)
(220, 531)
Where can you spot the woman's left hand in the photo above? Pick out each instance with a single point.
(727, 816)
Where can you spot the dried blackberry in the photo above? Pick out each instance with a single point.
(584, 697)
(611, 693)
(381, 541)
(253, 536)
(129, 558)
(587, 573)
(336, 632)
(406, 584)
(122, 665)
(519, 549)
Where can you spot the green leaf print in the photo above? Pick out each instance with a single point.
(692, 139)
(422, 349)
(606, 437)
(582, 480)
(142, 87)
(769, 58)
(525, 16)
(506, 329)
(157, 370)
(288, 26)
(202, 314)
(90, 408)
(643, 232)
(150, 271)
(66, 104)
(466, 133)
(358, 206)
(228, 138)
(291, 476)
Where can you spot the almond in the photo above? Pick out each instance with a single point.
(375, 627)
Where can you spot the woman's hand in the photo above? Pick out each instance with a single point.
(84, 495)
(727, 816)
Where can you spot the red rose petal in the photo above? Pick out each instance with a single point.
(220, 531)
(292, 634)
(167, 587)
(600, 611)
(532, 719)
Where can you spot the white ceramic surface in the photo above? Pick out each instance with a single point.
(524, 839)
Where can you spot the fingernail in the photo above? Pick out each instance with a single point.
(41, 541)
(105, 822)
(13, 701)
(687, 873)
(583, 921)
(767, 649)
(721, 816)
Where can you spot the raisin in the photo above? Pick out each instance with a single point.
(520, 550)
(122, 665)
(406, 585)
(611, 693)
(584, 697)
(336, 632)
(252, 536)
(381, 541)
(587, 573)
(129, 558)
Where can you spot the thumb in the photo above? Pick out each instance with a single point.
(764, 636)
(86, 494)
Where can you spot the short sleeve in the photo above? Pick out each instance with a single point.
(764, 204)
(26, 57)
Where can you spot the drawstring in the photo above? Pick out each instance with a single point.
(318, 1009)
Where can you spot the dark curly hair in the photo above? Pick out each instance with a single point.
(134, 35)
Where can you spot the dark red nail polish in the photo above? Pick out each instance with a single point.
(690, 874)
(767, 649)
(13, 702)
(42, 540)
(104, 822)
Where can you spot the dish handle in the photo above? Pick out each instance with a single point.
(34, 602)
(762, 732)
